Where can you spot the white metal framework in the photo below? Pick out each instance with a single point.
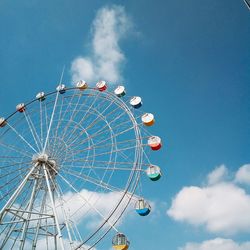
(247, 2)
(62, 156)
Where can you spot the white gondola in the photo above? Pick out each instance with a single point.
(82, 85)
(136, 102)
(3, 122)
(101, 85)
(120, 91)
(61, 88)
(20, 107)
(40, 96)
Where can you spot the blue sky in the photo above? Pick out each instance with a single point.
(190, 61)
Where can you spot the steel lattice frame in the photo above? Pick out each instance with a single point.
(247, 2)
(58, 159)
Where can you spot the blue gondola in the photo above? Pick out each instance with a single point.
(142, 207)
(61, 88)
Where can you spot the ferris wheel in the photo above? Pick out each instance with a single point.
(71, 162)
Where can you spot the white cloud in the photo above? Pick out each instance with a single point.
(111, 24)
(91, 208)
(243, 174)
(217, 175)
(217, 244)
(41, 243)
(222, 207)
(51, 245)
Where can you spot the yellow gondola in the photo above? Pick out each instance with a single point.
(120, 242)
(81, 85)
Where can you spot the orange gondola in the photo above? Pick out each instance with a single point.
(82, 85)
(148, 119)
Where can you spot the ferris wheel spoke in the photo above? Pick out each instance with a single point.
(9, 182)
(93, 181)
(86, 200)
(71, 119)
(92, 136)
(73, 113)
(101, 131)
(100, 118)
(32, 129)
(108, 152)
(46, 125)
(95, 146)
(96, 120)
(16, 150)
(41, 121)
(21, 137)
(107, 162)
(60, 119)
(104, 168)
(14, 164)
(51, 121)
(12, 172)
(87, 114)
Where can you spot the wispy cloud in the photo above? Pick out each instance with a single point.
(41, 243)
(106, 58)
(91, 207)
(243, 175)
(221, 206)
(217, 244)
(217, 175)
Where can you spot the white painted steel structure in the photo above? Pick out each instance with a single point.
(61, 159)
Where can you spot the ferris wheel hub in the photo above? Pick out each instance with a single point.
(40, 158)
(44, 159)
